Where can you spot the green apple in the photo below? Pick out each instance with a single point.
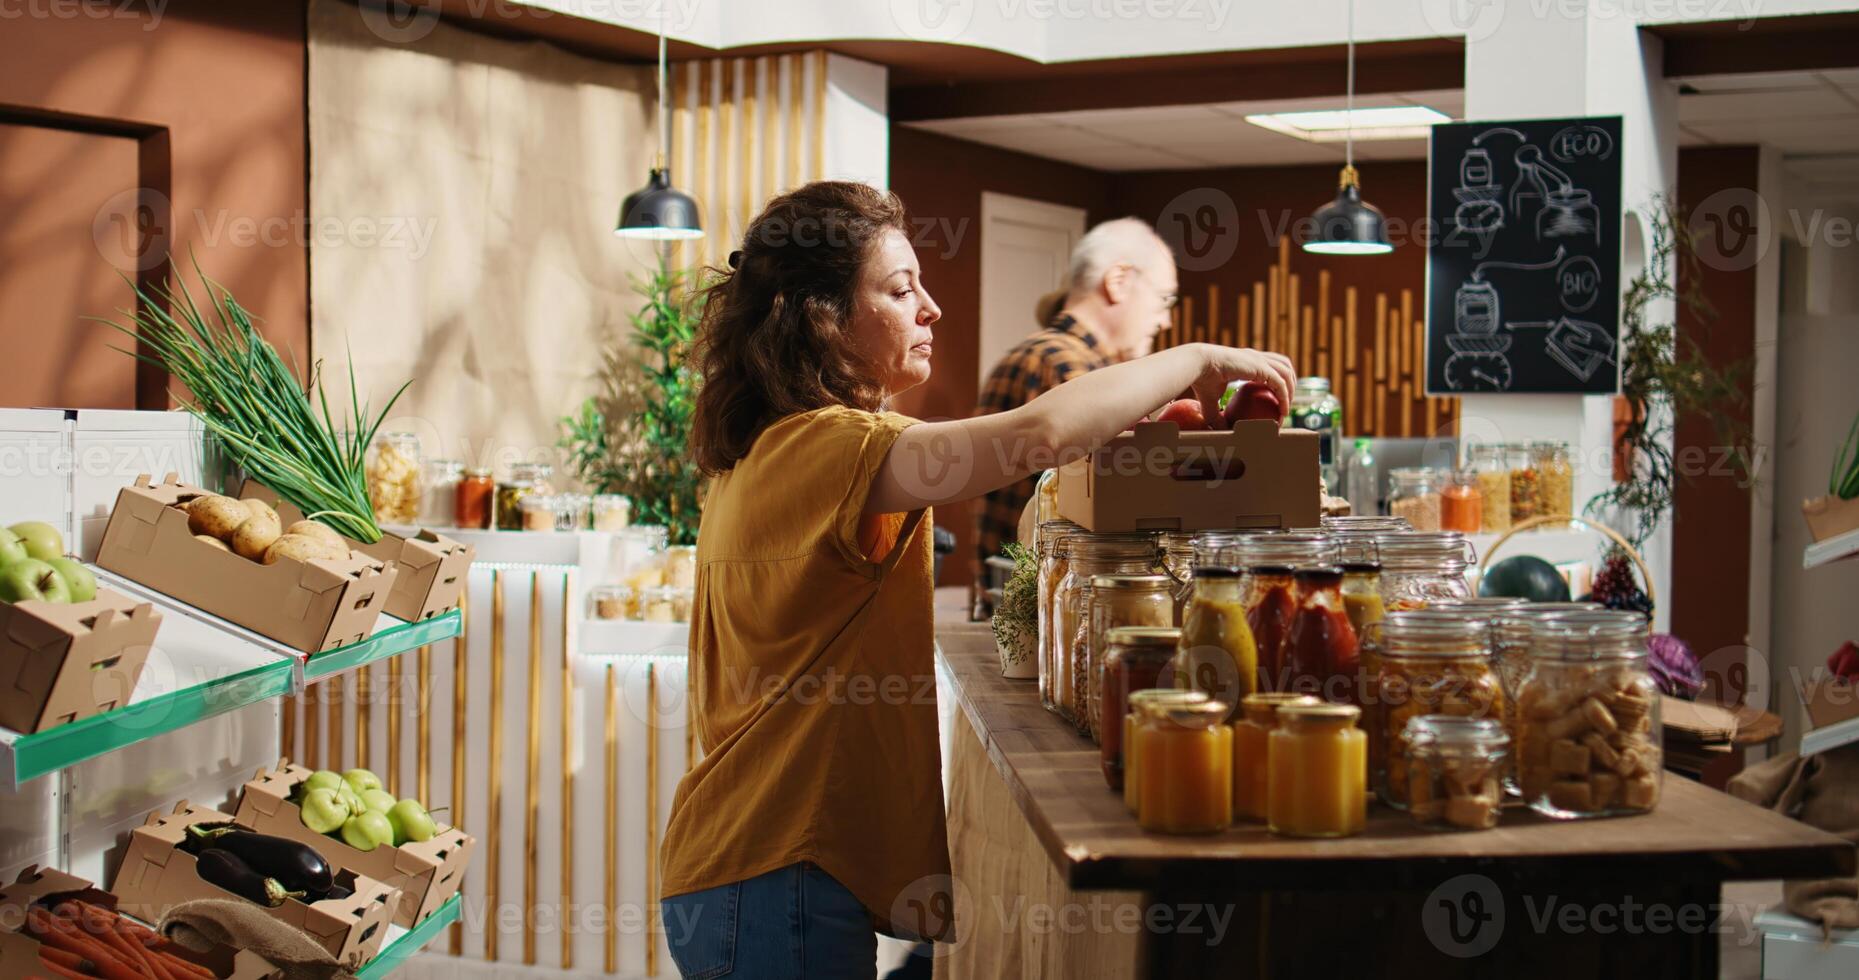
(83, 584)
(377, 800)
(42, 540)
(12, 548)
(367, 831)
(33, 579)
(323, 779)
(323, 810)
(350, 798)
(411, 822)
(361, 779)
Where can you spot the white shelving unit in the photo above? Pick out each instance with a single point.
(1838, 548)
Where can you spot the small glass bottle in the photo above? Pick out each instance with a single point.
(1136, 659)
(1589, 741)
(1271, 595)
(1455, 769)
(1054, 553)
(1362, 481)
(1492, 471)
(472, 509)
(1321, 652)
(611, 511)
(1525, 488)
(1217, 653)
(1186, 770)
(439, 495)
(524, 479)
(1414, 496)
(1140, 702)
(1462, 504)
(1117, 601)
(1317, 772)
(1251, 751)
(1555, 478)
(1313, 407)
(394, 478)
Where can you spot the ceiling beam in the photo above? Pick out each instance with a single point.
(1816, 42)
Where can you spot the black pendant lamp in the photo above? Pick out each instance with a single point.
(1349, 225)
(659, 211)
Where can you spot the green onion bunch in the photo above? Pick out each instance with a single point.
(1844, 482)
(249, 398)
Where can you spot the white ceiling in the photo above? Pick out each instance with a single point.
(1811, 117)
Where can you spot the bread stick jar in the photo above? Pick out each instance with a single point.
(1588, 734)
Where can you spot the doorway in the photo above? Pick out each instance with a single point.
(1026, 247)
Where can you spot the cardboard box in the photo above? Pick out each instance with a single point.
(307, 605)
(157, 875)
(19, 952)
(1830, 517)
(59, 663)
(1830, 700)
(427, 873)
(1158, 478)
(433, 567)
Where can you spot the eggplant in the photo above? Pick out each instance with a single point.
(225, 869)
(297, 867)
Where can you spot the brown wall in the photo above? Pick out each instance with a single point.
(200, 105)
(1710, 545)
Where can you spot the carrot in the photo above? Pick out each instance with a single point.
(55, 932)
(181, 968)
(62, 971)
(64, 957)
(132, 953)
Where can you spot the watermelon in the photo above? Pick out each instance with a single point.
(1525, 577)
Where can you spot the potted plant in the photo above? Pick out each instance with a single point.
(1016, 619)
(1838, 512)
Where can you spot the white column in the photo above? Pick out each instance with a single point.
(858, 124)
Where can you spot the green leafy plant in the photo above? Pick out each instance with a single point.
(1844, 483)
(251, 401)
(1666, 376)
(1017, 617)
(633, 437)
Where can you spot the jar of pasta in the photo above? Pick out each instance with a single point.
(1413, 495)
(1588, 732)
(1492, 471)
(1088, 556)
(1525, 487)
(1251, 750)
(1217, 654)
(1054, 553)
(1186, 769)
(1555, 478)
(394, 478)
(1317, 772)
(1136, 658)
(1430, 665)
(1140, 703)
(1419, 568)
(523, 480)
(1454, 771)
(1117, 601)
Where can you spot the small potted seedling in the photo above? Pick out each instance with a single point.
(1016, 619)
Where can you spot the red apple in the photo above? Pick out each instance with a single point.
(1184, 412)
(1253, 401)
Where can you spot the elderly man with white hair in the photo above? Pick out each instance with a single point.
(1119, 292)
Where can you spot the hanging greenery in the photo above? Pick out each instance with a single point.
(632, 438)
(1665, 376)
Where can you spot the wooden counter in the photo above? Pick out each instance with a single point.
(1296, 898)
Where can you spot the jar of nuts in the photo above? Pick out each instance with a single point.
(1454, 771)
(609, 601)
(1588, 734)
(1430, 665)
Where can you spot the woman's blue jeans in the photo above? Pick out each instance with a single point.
(794, 922)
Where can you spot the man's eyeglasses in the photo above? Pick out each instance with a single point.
(1168, 299)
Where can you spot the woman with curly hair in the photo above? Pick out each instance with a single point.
(816, 813)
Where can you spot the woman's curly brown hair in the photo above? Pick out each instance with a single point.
(774, 338)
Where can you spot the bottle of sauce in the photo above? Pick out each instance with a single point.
(1321, 655)
(1217, 654)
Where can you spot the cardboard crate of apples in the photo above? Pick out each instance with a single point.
(67, 649)
(358, 825)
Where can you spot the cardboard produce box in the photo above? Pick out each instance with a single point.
(59, 663)
(428, 873)
(307, 605)
(157, 875)
(433, 567)
(19, 952)
(1830, 517)
(1159, 478)
(1830, 700)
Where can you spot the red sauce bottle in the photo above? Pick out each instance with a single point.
(1321, 653)
(1271, 608)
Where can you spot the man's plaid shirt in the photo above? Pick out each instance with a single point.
(1062, 351)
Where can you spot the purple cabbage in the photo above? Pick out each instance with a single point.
(1674, 667)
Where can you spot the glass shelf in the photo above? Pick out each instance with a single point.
(403, 943)
(391, 637)
(632, 638)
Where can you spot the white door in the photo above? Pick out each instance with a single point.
(1026, 246)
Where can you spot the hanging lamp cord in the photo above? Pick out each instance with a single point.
(664, 114)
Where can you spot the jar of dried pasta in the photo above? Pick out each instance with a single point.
(1588, 733)
(1430, 665)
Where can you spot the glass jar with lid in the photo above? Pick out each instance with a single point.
(1217, 653)
(1049, 544)
(1178, 564)
(1455, 770)
(1088, 555)
(1555, 478)
(1317, 772)
(1136, 658)
(638, 557)
(1313, 407)
(1186, 770)
(1140, 703)
(1354, 524)
(1589, 742)
(1492, 471)
(1269, 561)
(1430, 665)
(439, 492)
(611, 601)
(1117, 601)
(539, 511)
(1525, 487)
(394, 478)
(1413, 495)
(1462, 504)
(665, 604)
(1419, 568)
(571, 511)
(1321, 652)
(1251, 750)
(522, 480)
(681, 566)
(476, 491)
(611, 511)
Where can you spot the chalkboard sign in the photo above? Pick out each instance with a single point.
(1523, 267)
